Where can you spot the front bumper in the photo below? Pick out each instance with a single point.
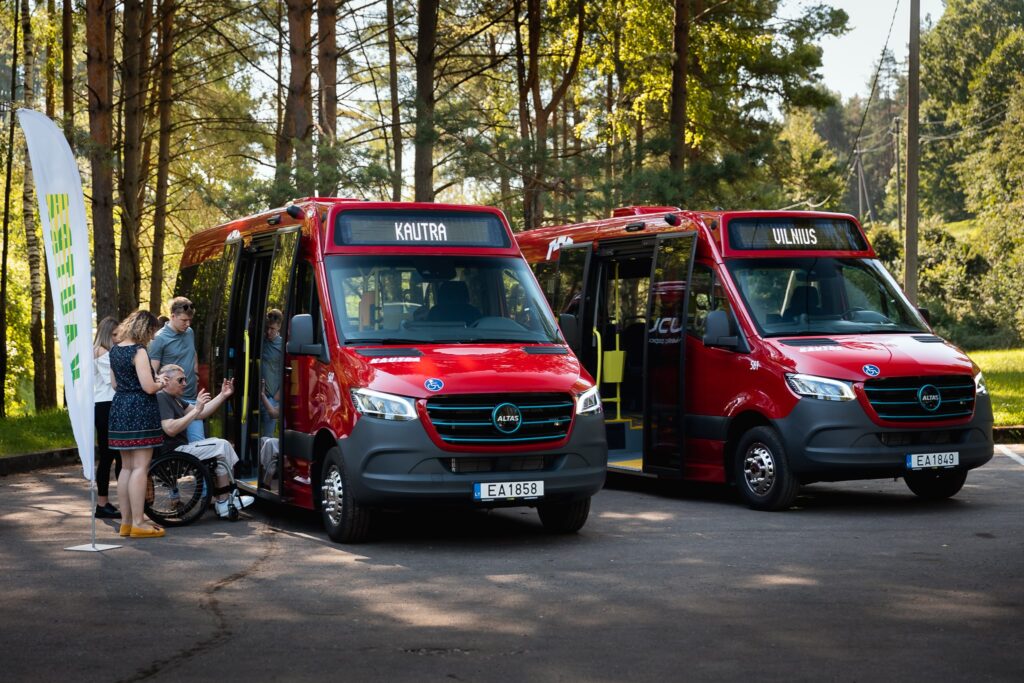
(837, 441)
(396, 463)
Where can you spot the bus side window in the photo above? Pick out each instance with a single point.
(306, 298)
(700, 300)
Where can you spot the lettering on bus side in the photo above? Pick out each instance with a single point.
(420, 232)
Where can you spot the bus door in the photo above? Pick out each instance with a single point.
(665, 361)
(216, 333)
(268, 381)
(569, 297)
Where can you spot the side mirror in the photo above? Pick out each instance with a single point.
(926, 314)
(570, 329)
(300, 336)
(719, 332)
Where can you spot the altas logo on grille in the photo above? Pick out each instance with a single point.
(506, 418)
(929, 397)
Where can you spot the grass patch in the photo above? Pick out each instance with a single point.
(33, 433)
(1004, 375)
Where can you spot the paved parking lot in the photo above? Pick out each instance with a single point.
(862, 581)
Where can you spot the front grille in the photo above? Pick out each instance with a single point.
(911, 399)
(470, 418)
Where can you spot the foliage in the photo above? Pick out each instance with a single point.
(44, 431)
(1004, 375)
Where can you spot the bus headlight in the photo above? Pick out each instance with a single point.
(589, 402)
(820, 387)
(384, 406)
(980, 388)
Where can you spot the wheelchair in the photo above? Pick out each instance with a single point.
(181, 487)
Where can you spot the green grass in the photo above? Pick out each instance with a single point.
(33, 433)
(1004, 375)
(963, 231)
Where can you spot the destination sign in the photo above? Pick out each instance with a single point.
(419, 229)
(803, 234)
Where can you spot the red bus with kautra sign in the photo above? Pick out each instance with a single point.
(766, 348)
(417, 363)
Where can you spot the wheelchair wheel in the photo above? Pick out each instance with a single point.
(182, 488)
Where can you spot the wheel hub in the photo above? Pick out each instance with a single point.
(333, 492)
(759, 469)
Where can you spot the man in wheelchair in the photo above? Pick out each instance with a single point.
(175, 417)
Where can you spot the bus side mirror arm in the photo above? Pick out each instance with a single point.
(719, 333)
(300, 336)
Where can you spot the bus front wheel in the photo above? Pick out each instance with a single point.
(762, 471)
(564, 518)
(936, 485)
(345, 520)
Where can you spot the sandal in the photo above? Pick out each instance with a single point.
(125, 531)
(146, 532)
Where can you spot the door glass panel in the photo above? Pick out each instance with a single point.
(664, 434)
(568, 294)
(270, 388)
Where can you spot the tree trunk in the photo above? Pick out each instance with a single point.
(328, 175)
(426, 134)
(50, 397)
(396, 112)
(99, 25)
(677, 104)
(7, 221)
(32, 243)
(300, 93)
(67, 70)
(128, 275)
(283, 141)
(166, 94)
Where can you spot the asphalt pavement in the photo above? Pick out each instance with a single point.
(861, 581)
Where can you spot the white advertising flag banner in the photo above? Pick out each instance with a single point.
(66, 238)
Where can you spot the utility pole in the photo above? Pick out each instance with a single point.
(899, 182)
(860, 186)
(913, 151)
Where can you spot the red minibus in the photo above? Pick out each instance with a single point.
(391, 354)
(766, 348)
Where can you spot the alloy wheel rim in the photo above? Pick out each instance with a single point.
(333, 495)
(759, 469)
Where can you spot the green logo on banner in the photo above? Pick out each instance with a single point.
(60, 234)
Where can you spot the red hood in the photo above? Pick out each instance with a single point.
(471, 369)
(895, 355)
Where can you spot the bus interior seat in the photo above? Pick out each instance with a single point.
(453, 304)
(804, 301)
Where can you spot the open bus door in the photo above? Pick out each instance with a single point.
(665, 357)
(570, 295)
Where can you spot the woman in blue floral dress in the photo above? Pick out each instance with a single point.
(134, 419)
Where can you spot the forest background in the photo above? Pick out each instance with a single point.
(187, 113)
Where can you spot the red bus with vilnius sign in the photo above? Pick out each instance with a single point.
(766, 348)
(417, 363)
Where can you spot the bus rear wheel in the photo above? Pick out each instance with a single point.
(936, 485)
(345, 520)
(762, 471)
(564, 518)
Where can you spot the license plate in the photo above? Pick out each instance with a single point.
(508, 490)
(920, 461)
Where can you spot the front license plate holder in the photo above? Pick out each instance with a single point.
(929, 461)
(507, 490)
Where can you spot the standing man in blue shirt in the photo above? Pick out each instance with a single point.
(175, 344)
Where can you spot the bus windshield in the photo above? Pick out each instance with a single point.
(823, 296)
(437, 299)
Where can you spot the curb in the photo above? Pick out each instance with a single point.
(15, 464)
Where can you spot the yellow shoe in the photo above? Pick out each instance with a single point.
(146, 532)
(125, 531)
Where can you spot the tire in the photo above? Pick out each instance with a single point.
(345, 520)
(181, 474)
(936, 485)
(762, 472)
(564, 518)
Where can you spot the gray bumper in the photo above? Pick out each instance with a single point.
(836, 441)
(396, 463)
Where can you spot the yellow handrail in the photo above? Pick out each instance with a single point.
(245, 380)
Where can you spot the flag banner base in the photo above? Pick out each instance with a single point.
(93, 547)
